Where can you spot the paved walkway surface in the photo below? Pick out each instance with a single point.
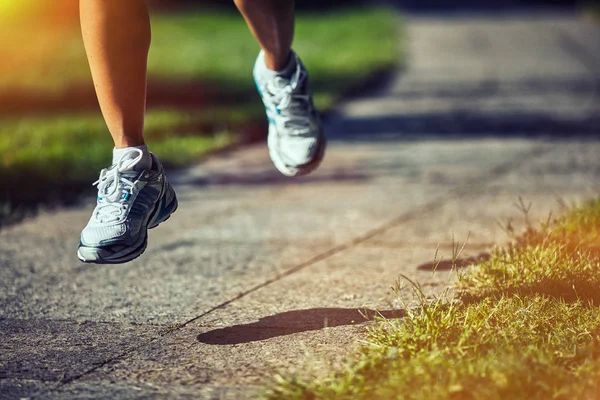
(256, 273)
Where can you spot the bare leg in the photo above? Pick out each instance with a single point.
(116, 34)
(272, 23)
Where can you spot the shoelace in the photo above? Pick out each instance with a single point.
(115, 189)
(292, 105)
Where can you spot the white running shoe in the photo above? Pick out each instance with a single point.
(129, 203)
(296, 139)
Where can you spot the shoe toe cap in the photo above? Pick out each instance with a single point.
(298, 151)
(98, 235)
(92, 254)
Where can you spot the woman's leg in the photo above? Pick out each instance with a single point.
(116, 34)
(133, 195)
(296, 140)
(272, 23)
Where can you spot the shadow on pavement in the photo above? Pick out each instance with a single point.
(457, 125)
(527, 108)
(291, 322)
(274, 178)
(447, 265)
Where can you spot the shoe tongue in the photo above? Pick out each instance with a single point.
(127, 173)
(128, 162)
(280, 82)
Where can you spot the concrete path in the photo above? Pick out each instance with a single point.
(256, 273)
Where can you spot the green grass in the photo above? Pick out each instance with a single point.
(523, 325)
(52, 158)
(216, 47)
(51, 161)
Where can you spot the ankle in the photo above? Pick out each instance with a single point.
(125, 143)
(277, 62)
(263, 73)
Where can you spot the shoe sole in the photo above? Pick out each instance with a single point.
(300, 170)
(100, 255)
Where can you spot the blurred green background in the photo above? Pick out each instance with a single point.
(53, 141)
(201, 97)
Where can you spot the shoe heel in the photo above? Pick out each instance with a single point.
(168, 206)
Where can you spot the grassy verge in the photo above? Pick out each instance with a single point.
(523, 325)
(201, 64)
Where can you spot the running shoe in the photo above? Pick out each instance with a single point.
(129, 203)
(296, 140)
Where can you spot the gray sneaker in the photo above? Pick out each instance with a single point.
(296, 140)
(129, 203)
